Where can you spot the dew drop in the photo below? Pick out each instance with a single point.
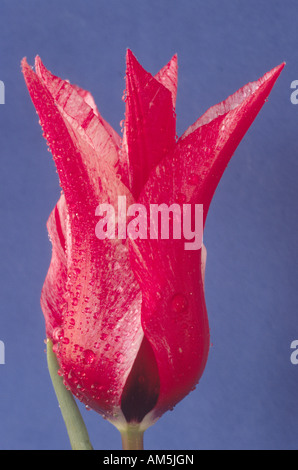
(119, 357)
(179, 303)
(58, 333)
(124, 95)
(88, 356)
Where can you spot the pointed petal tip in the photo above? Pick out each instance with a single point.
(277, 70)
(38, 61)
(273, 74)
(27, 71)
(268, 80)
(130, 57)
(175, 57)
(132, 63)
(24, 64)
(173, 63)
(39, 67)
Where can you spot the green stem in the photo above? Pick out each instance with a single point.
(132, 438)
(75, 425)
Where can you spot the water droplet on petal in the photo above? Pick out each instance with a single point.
(179, 303)
(119, 357)
(88, 356)
(72, 323)
(58, 333)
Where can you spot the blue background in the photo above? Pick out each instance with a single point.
(247, 397)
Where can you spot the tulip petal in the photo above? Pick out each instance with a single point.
(54, 288)
(174, 316)
(79, 108)
(149, 130)
(89, 100)
(102, 330)
(102, 297)
(210, 142)
(87, 97)
(78, 187)
(83, 176)
(167, 76)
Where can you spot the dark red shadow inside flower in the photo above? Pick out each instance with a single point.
(141, 390)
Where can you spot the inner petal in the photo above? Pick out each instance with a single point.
(141, 390)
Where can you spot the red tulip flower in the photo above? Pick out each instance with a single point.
(127, 317)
